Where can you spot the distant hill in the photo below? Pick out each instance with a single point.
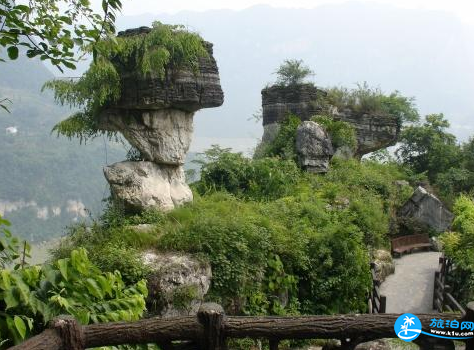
(46, 183)
(426, 54)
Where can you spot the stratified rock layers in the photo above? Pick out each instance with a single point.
(155, 115)
(373, 131)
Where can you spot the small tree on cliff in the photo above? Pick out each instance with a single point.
(292, 72)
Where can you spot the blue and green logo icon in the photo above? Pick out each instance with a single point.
(408, 327)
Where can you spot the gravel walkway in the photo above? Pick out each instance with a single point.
(410, 288)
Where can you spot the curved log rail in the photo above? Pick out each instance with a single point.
(210, 329)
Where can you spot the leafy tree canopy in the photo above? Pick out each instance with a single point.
(428, 147)
(45, 29)
(293, 72)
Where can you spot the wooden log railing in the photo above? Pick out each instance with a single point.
(443, 300)
(211, 329)
(377, 302)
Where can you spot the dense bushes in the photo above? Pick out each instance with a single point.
(342, 133)
(30, 296)
(266, 178)
(459, 246)
(280, 241)
(365, 99)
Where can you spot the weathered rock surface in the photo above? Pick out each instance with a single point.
(314, 147)
(144, 185)
(279, 101)
(427, 209)
(373, 131)
(162, 136)
(177, 284)
(183, 89)
(384, 265)
(300, 100)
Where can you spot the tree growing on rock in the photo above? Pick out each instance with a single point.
(293, 72)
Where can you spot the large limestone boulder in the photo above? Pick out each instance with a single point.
(383, 264)
(314, 147)
(144, 185)
(427, 209)
(162, 136)
(177, 283)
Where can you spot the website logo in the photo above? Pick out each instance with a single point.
(408, 327)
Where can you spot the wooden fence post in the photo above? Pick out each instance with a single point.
(212, 317)
(435, 288)
(383, 304)
(70, 332)
(470, 317)
(274, 344)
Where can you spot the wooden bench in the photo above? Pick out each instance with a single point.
(404, 244)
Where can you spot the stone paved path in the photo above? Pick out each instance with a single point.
(410, 288)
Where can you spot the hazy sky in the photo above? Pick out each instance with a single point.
(463, 8)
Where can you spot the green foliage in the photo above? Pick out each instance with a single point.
(458, 245)
(54, 29)
(12, 251)
(283, 145)
(117, 256)
(429, 148)
(261, 179)
(292, 72)
(165, 49)
(342, 133)
(277, 250)
(365, 99)
(33, 295)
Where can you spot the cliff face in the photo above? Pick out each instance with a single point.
(300, 100)
(373, 131)
(156, 116)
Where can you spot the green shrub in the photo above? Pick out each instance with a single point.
(458, 246)
(116, 256)
(32, 296)
(261, 179)
(365, 99)
(292, 72)
(342, 133)
(284, 144)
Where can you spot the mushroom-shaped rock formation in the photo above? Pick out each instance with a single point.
(155, 115)
(373, 131)
(314, 147)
